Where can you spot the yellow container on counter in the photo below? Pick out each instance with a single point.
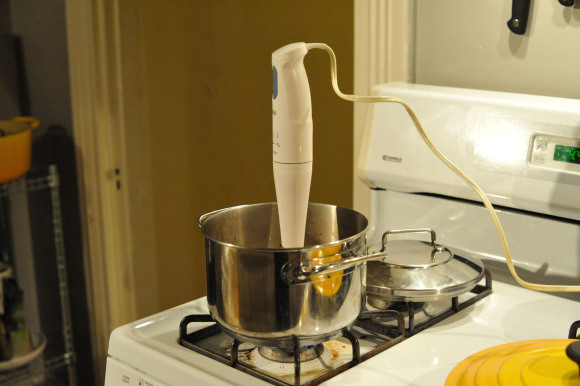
(15, 147)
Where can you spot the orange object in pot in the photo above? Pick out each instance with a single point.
(15, 147)
(327, 284)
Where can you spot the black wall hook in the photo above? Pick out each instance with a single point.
(520, 13)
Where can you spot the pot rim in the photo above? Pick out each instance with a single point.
(203, 218)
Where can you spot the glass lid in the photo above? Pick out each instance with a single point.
(420, 271)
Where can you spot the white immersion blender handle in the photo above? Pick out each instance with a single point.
(291, 141)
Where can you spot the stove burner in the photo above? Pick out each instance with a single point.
(286, 354)
(369, 318)
(383, 304)
(238, 354)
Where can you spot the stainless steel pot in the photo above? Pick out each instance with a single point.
(261, 293)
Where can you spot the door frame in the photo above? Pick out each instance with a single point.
(383, 52)
(109, 112)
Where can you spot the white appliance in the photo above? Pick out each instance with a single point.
(520, 149)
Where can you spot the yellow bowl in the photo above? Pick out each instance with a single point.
(530, 362)
(15, 146)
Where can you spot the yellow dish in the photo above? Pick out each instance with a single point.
(532, 362)
(15, 147)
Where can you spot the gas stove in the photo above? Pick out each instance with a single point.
(375, 331)
(423, 357)
(509, 144)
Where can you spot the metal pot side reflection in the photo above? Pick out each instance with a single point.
(253, 301)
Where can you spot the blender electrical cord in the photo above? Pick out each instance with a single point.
(450, 165)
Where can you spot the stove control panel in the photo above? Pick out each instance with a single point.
(522, 150)
(556, 153)
(121, 374)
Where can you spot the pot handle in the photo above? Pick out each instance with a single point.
(204, 217)
(297, 273)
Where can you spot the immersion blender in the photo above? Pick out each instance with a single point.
(292, 141)
(292, 124)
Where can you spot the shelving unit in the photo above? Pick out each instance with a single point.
(39, 370)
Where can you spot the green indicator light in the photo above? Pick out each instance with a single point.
(567, 154)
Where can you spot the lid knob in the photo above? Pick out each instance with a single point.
(573, 334)
(573, 352)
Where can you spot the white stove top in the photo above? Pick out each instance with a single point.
(149, 350)
(508, 144)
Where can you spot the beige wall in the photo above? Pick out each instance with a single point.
(466, 43)
(209, 85)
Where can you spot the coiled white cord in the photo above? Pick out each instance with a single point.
(450, 165)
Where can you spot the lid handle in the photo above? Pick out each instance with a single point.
(573, 333)
(436, 247)
(573, 352)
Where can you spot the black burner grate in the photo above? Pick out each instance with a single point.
(379, 330)
(385, 338)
